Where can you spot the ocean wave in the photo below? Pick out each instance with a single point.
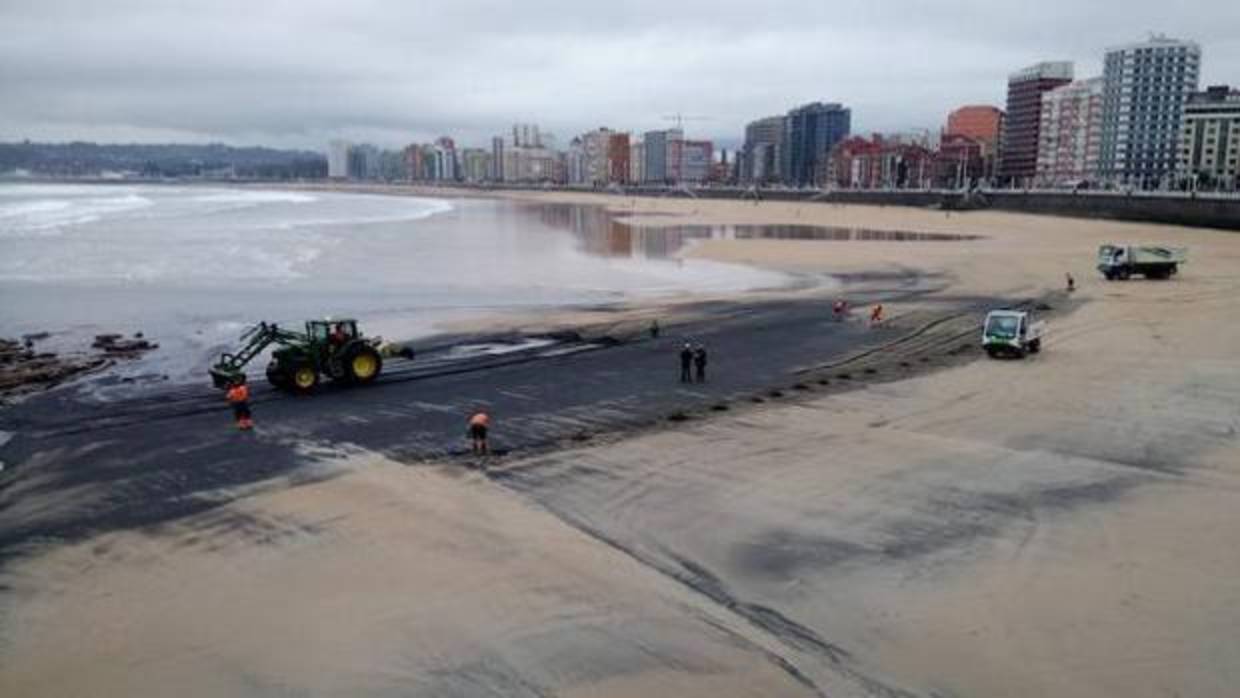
(47, 216)
(30, 208)
(10, 190)
(428, 208)
(193, 265)
(256, 197)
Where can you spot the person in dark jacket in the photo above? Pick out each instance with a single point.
(699, 361)
(686, 364)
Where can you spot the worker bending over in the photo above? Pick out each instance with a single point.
(239, 397)
(478, 433)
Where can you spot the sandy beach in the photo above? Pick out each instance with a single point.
(1058, 526)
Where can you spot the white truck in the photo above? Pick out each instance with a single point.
(1012, 333)
(1151, 261)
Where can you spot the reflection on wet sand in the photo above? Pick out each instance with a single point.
(600, 233)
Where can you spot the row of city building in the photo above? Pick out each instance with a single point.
(596, 158)
(1142, 123)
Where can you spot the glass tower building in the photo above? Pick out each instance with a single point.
(812, 130)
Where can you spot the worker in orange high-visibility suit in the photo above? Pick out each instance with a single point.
(239, 398)
(478, 425)
(876, 315)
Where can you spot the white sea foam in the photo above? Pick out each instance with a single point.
(256, 197)
(33, 208)
(43, 216)
(417, 209)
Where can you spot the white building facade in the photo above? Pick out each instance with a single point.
(1070, 134)
(338, 159)
(637, 161)
(1209, 151)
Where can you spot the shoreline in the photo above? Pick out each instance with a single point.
(1220, 210)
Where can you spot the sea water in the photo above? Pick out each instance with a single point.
(191, 267)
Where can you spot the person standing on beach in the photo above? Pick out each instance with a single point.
(699, 361)
(239, 397)
(686, 364)
(478, 425)
(839, 309)
(1071, 281)
(654, 328)
(876, 315)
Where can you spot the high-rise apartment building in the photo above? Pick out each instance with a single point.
(575, 162)
(363, 162)
(594, 146)
(812, 130)
(654, 170)
(1209, 151)
(533, 165)
(1018, 162)
(528, 157)
(637, 162)
(696, 158)
(1145, 86)
(760, 155)
(1070, 134)
(663, 156)
(526, 136)
(618, 158)
(415, 167)
(475, 165)
(497, 159)
(338, 159)
(445, 160)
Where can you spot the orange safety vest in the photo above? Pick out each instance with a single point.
(480, 419)
(239, 393)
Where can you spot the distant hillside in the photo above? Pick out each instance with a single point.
(173, 160)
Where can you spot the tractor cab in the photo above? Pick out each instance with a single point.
(334, 333)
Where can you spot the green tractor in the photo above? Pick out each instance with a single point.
(331, 348)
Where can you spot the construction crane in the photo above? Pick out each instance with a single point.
(680, 119)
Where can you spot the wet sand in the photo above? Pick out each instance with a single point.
(1057, 526)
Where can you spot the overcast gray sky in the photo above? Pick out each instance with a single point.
(392, 72)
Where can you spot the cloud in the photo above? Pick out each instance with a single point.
(300, 73)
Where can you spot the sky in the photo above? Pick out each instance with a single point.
(392, 72)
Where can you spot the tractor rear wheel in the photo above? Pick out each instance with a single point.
(363, 364)
(303, 378)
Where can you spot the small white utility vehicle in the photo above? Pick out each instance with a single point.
(1012, 333)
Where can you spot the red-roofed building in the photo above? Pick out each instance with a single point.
(878, 163)
(960, 162)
